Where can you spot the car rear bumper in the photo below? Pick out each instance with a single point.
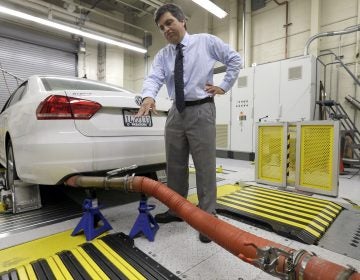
(49, 160)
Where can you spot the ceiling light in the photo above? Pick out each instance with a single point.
(71, 29)
(211, 7)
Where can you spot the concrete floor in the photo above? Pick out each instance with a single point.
(177, 247)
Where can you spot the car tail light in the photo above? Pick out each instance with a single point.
(63, 107)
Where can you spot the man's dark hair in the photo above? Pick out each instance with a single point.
(175, 10)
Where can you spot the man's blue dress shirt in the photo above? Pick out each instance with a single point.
(201, 52)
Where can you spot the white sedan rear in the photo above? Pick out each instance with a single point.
(52, 127)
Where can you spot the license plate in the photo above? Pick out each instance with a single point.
(130, 119)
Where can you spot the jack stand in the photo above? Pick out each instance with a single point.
(145, 222)
(90, 219)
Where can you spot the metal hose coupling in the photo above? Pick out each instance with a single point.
(110, 181)
(268, 260)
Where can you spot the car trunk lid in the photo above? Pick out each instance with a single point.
(116, 117)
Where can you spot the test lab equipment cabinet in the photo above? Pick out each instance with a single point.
(281, 91)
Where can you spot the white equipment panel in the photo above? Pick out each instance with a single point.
(222, 103)
(266, 92)
(297, 88)
(242, 119)
(281, 91)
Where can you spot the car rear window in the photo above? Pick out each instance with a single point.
(53, 84)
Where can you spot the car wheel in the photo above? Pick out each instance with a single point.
(11, 174)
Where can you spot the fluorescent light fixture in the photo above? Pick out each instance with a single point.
(70, 29)
(211, 7)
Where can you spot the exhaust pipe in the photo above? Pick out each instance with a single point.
(278, 260)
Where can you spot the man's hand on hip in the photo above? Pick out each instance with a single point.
(147, 105)
(213, 89)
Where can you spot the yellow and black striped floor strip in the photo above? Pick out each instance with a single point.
(296, 216)
(110, 257)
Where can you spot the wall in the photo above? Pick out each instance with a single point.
(268, 40)
(87, 61)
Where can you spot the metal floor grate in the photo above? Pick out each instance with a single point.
(59, 204)
(343, 236)
(57, 211)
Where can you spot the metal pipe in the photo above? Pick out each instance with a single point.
(233, 28)
(243, 32)
(65, 15)
(151, 3)
(273, 258)
(109, 16)
(331, 33)
(133, 7)
(353, 101)
(12, 75)
(357, 58)
(248, 34)
(287, 24)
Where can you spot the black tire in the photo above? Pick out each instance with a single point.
(10, 174)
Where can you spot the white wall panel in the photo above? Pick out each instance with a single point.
(268, 26)
(297, 92)
(299, 16)
(296, 43)
(115, 65)
(271, 51)
(242, 117)
(266, 91)
(336, 41)
(335, 10)
(222, 102)
(87, 63)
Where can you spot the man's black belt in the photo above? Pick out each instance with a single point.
(200, 101)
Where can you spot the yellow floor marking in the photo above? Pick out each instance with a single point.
(283, 208)
(221, 191)
(287, 195)
(83, 260)
(55, 269)
(30, 272)
(2, 207)
(280, 202)
(316, 209)
(93, 264)
(39, 248)
(313, 232)
(301, 205)
(127, 269)
(272, 212)
(300, 201)
(219, 169)
(193, 198)
(22, 273)
(62, 267)
(315, 201)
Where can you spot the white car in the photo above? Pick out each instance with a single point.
(52, 127)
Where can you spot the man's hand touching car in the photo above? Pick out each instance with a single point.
(147, 105)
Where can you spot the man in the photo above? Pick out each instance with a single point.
(185, 65)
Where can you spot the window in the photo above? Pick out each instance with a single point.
(16, 96)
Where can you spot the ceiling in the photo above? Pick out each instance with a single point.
(136, 8)
(118, 19)
(109, 17)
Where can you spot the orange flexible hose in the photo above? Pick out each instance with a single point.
(240, 243)
(232, 238)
